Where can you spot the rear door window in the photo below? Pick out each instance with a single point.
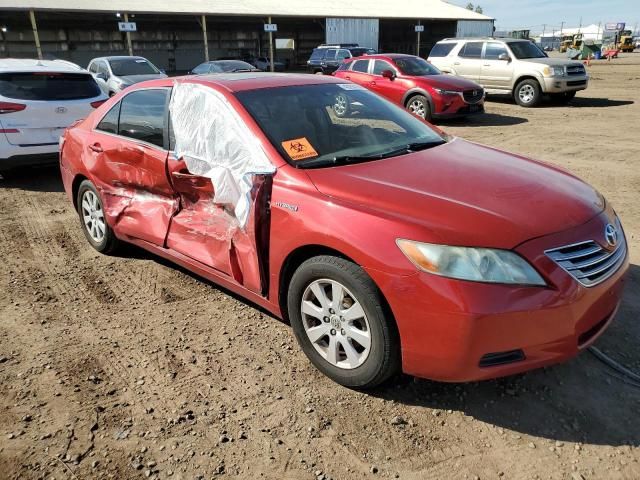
(109, 122)
(342, 54)
(142, 116)
(361, 66)
(48, 86)
(331, 54)
(442, 49)
(472, 50)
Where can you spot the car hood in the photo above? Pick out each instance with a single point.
(131, 79)
(466, 194)
(554, 62)
(447, 82)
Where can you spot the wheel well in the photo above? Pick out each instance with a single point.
(75, 186)
(525, 77)
(291, 264)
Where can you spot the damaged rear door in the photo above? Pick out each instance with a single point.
(127, 157)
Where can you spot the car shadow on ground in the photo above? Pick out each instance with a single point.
(483, 120)
(35, 179)
(583, 400)
(577, 102)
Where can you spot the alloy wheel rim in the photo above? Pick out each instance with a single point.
(336, 324)
(526, 93)
(417, 108)
(340, 105)
(93, 216)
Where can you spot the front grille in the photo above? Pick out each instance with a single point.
(576, 83)
(588, 262)
(575, 70)
(473, 96)
(501, 358)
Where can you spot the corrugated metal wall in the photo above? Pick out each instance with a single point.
(363, 31)
(475, 28)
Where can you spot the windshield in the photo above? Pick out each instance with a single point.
(415, 66)
(231, 66)
(121, 67)
(323, 125)
(524, 50)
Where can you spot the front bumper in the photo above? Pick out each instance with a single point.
(455, 107)
(565, 84)
(457, 331)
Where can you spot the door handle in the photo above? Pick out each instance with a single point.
(373, 83)
(456, 63)
(96, 148)
(348, 78)
(486, 65)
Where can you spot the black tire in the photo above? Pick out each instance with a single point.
(383, 360)
(527, 93)
(109, 242)
(111, 94)
(563, 98)
(417, 102)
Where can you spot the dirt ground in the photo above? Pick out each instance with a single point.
(129, 367)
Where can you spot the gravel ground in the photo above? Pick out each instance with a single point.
(129, 367)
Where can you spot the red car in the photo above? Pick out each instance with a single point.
(415, 84)
(386, 244)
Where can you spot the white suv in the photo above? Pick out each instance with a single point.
(38, 100)
(510, 66)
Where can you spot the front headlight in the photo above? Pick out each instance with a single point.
(553, 71)
(466, 263)
(446, 92)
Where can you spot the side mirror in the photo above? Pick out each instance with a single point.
(102, 76)
(162, 70)
(505, 57)
(388, 74)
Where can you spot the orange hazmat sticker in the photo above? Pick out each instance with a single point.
(299, 148)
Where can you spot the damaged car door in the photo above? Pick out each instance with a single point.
(128, 160)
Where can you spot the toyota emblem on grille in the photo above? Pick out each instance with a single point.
(611, 235)
(61, 110)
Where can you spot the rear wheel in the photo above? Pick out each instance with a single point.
(93, 221)
(527, 93)
(420, 107)
(340, 321)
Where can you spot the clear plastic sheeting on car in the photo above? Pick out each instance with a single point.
(215, 143)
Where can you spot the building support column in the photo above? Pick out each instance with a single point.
(418, 42)
(128, 35)
(34, 27)
(205, 38)
(271, 67)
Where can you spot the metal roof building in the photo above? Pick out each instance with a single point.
(177, 35)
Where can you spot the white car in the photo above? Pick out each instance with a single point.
(114, 74)
(38, 100)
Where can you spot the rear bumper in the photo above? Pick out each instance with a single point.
(457, 331)
(28, 160)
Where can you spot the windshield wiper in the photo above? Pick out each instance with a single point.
(351, 159)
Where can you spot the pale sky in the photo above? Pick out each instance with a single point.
(532, 14)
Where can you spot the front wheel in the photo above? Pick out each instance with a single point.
(93, 221)
(341, 322)
(420, 107)
(527, 93)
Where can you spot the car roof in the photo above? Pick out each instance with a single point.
(34, 65)
(238, 82)
(118, 57)
(483, 39)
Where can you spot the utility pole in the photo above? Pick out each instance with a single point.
(271, 66)
(418, 41)
(544, 29)
(204, 36)
(34, 27)
(561, 28)
(128, 35)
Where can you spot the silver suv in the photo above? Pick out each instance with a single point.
(509, 66)
(114, 74)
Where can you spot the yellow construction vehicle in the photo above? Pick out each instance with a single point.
(571, 42)
(625, 44)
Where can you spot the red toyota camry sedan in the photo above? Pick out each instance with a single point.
(415, 84)
(387, 244)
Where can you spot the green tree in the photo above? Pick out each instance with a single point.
(469, 6)
(478, 9)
